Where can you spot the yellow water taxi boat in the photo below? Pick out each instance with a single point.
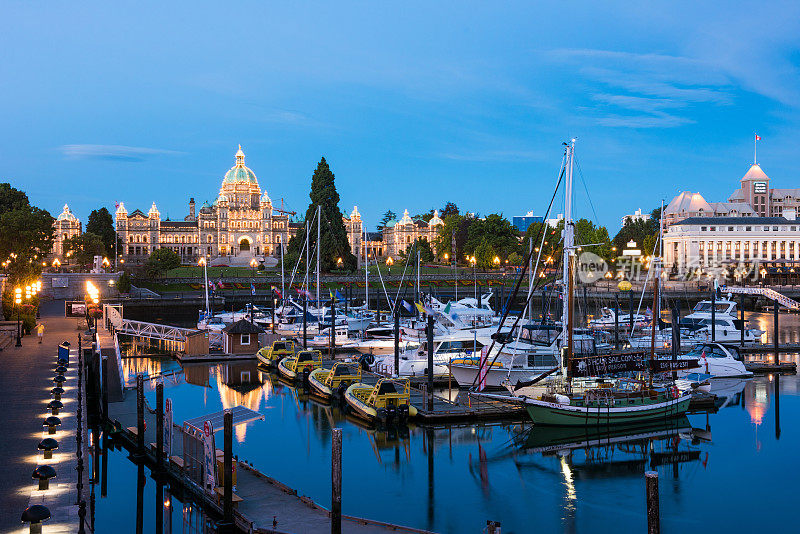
(270, 356)
(334, 381)
(293, 367)
(388, 400)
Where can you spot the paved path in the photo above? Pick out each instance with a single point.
(25, 383)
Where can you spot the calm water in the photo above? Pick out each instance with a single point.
(731, 471)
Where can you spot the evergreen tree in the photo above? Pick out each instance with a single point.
(101, 223)
(423, 246)
(334, 235)
(388, 216)
(449, 209)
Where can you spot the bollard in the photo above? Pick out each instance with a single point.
(35, 514)
(43, 474)
(51, 423)
(48, 445)
(653, 518)
(159, 424)
(56, 392)
(493, 527)
(336, 481)
(54, 406)
(139, 416)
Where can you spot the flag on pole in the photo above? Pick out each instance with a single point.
(331, 294)
(419, 307)
(758, 137)
(252, 288)
(447, 308)
(409, 308)
(339, 296)
(277, 292)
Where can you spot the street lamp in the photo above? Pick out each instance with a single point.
(475, 275)
(390, 262)
(202, 262)
(18, 303)
(253, 265)
(56, 264)
(496, 261)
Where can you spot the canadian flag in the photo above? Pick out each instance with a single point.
(758, 137)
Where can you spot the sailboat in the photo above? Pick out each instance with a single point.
(615, 402)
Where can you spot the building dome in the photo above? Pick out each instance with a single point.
(690, 204)
(240, 172)
(67, 215)
(435, 220)
(121, 211)
(755, 173)
(153, 211)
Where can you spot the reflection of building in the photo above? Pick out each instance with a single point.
(239, 384)
(241, 220)
(399, 235)
(65, 226)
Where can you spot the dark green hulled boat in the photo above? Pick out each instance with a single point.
(607, 407)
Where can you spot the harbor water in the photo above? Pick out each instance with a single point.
(729, 471)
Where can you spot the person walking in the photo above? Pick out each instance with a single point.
(40, 332)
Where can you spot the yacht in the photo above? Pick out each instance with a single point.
(717, 360)
(608, 320)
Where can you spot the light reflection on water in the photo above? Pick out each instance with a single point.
(455, 478)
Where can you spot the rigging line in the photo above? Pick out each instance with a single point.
(591, 204)
(521, 277)
(300, 256)
(403, 277)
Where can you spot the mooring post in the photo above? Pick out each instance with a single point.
(160, 425)
(777, 406)
(396, 337)
(139, 415)
(775, 334)
(653, 519)
(140, 482)
(305, 311)
(333, 327)
(105, 388)
(227, 507)
(713, 316)
(741, 317)
(336, 481)
(616, 321)
(676, 337)
(493, 527)
(430, 362)
(630, 313)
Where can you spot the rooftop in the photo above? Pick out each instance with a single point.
(719, 221)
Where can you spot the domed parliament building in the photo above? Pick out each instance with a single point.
(240, 224)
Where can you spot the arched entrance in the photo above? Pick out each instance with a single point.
(244, 244)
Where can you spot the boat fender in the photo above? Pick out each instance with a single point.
(562, 399)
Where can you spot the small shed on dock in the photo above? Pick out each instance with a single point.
(241, 337)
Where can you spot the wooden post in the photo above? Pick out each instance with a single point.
(140, 482)
(430, 362)
(160, 425)
(616, 321)
(397, 337)
(653, 518)
(305, 311)
(676, 336)
(741, 316)
(105, 388)
(630, 312)
(713, 316)
(777, 405)
(336, 481)
(139, 415)
(227, 505)
(333, 328)
(775, 333)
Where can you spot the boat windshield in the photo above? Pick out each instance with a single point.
(705, 306)
(459, 346)
(710, 351)
(280, 345)
(543, 335)
(215, 320)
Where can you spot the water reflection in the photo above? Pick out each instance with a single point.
(242, 384)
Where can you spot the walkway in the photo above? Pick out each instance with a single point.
(25, 383)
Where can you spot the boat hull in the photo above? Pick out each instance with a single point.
(285, 371)
(554, 414)
(466, 375)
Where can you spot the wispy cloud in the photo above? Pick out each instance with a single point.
(113, 152)
(647, 90)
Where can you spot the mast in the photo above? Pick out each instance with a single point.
(283, 288)
(656, 266)
(366, 274)
(418, 288)
(319, 224)
(569, 253)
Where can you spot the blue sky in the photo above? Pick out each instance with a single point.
(412, 103)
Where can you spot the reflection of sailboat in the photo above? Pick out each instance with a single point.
(728, 391)
(614, 451)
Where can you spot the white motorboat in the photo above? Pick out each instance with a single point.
(608, 320)
(323, 338)
(717, 360)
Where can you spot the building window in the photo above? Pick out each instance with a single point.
(748, 228)
(245, 339)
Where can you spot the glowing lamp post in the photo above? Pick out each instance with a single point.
(18, 304)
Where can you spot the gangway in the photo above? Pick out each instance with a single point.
(767, 292)
(160, 332)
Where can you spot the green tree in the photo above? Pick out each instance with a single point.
(453, 231)
(498, 233)
(423, 246)
(484, 254)
(636, 231)
(449, 209)
(333, 233)
(161, 261)
(101, 223)
(587, 233)
(515, 259)
(124, 283)
(548, 237)
(26, 234)
(85, 247)
(388, 216)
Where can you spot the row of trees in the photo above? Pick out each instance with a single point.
(97, 239)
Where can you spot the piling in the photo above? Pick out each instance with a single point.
(713, 316)
(332, 352)
(653, 519)
(140, 482)
(777, 405)
(493, 527)
(139, 416)
(630, 312)
(741, 316)
(105, 387)
(336, 481)
(430, 362)
(378, 307)
(775, 333)
(160, 425)
(616, 321)
(397, 337)
(227, 505)
(305, 311)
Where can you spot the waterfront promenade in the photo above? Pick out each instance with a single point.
(25, 385)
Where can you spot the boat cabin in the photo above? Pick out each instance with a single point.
(241, 337)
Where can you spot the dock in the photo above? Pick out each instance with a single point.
(763, 367)
(259, 499)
